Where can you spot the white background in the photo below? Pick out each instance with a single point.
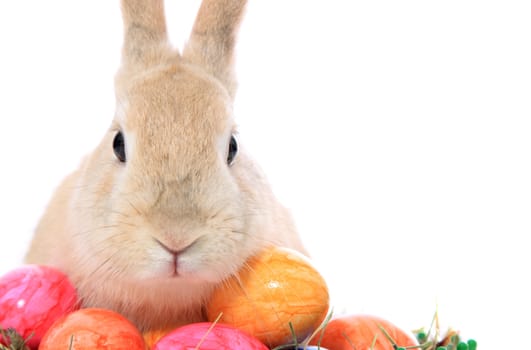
(398, 132)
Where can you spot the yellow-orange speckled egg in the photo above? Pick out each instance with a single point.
(275, 288)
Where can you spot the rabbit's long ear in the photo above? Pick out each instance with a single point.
(144, 30)
(212, 41)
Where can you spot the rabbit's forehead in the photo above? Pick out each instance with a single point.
(176, 105)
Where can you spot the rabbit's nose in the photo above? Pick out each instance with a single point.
(176, 253)
(173, 248)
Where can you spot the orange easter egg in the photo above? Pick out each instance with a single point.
(362, 332)
(153, 336)
(93, 329)
(274, 289)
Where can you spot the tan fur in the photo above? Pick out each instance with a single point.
(114, 227)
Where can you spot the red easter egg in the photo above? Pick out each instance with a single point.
(93, 329)
(362, 332)
(32, 298)
(208, 336)
(275, 289)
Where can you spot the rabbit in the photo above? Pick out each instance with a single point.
(169, 204)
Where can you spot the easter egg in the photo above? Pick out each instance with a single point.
(275, 289)
(362, 332)
(32, 298)
(94, 329)
(208, 336)
(154, 335)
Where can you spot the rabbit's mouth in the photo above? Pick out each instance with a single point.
(174, 256)
(199, 261)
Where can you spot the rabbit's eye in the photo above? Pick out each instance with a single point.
(233, 150)
(118, 146)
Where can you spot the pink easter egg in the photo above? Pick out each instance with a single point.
(32, 297)
(209, 337)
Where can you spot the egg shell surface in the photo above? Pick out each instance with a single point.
(274, 289)
(93, 329)
(360, 331)
(210, 336)
(32, 298)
